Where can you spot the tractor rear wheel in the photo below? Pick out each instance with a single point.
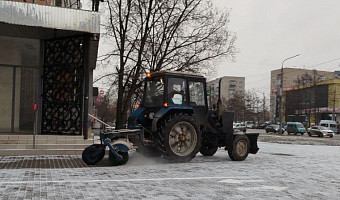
(93, 154)
(179, 138)
(208, 150)
(240, 148)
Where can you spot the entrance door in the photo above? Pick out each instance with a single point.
(63, 82)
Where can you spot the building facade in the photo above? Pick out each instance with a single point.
(292, 80)
(229, 84)
(47, 56)
(314, 102)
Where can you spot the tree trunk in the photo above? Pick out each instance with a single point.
(120, 113)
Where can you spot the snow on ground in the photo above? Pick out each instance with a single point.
(278, 171)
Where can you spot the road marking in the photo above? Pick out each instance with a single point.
(119, 180)
(240, 181)
(266, 187)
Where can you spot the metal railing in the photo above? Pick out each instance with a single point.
(105, 125)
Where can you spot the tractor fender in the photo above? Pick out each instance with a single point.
(252, 140)
(136, 117)
(163, 112)
(122, 145)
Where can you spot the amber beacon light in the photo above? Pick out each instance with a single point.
(148, 75)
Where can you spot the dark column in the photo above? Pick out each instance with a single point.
(13, 98)
(86, 89)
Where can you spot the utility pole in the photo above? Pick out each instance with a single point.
(333, 114)
(281, 91)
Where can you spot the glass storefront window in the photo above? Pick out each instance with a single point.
(19, 83)
(18, 89)
(6, 85)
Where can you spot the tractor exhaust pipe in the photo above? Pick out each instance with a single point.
(219, 102)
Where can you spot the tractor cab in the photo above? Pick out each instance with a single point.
(174, 89)
(167, 92)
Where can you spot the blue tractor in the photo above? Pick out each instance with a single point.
(178, 124)
(174, 121)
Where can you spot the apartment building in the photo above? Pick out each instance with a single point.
(229, 84)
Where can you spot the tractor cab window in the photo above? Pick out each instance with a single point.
(196, 90)
(176, 91)
(154, 93)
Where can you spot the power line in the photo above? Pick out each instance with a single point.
(329, 61)
(266, 87)
(324, 62)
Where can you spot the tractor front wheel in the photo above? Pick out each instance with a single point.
(208, 150)
(240, 148)
(180, 138)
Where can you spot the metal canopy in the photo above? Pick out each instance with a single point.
(35, 21)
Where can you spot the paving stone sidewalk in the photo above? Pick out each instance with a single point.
(47, 162)
(278, 171)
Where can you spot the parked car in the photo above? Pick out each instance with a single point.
(295, 127)
(330, 124)
(250, 124)
(240, 126)
(320, 131)
(264, 125)
(274, 128)
(256, 125)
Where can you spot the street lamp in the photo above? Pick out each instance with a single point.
(281, 91)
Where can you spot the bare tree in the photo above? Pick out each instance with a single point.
(248, 107)
(252, 102)
(237, 104)
(154, 35)
(265, 109)
(106, 109)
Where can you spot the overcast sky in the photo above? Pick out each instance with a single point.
(269, 31)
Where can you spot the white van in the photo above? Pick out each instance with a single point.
(329, 124)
